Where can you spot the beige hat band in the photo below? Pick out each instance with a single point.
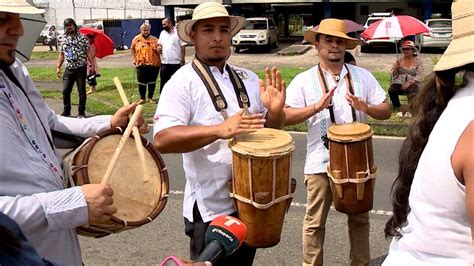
(463, 35)
(465, 15)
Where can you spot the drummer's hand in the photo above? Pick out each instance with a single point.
(357, 103)
(325, 101)
(272, 90)
(120, 119)
(99, 202)
(240, 123)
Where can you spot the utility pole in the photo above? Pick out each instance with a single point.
(74, 10)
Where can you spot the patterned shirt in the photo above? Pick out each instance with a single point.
(75, 48)
(414, 73)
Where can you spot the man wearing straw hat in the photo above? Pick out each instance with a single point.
(321, 96)
(33, 188)
(186, 120)
(433, 195)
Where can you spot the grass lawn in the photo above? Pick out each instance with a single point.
(45, 55)
(106, 99)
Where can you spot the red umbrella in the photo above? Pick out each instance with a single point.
(395, 27)
(351, 26)
(105, 45)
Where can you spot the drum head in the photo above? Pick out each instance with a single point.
(265, 142)
(134, 198)
(350, 132)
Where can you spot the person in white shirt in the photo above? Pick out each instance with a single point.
(173, 51)
(321, 96)
(33, 189)
(186, 121)
(433, 195)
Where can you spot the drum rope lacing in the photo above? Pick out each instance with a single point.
(69, 168)
(368, 174)
(251, 200)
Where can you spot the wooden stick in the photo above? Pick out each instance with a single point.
(136, 133)
(123, 140)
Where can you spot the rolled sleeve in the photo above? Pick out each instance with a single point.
(294, 93)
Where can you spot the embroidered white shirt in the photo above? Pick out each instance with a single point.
(304, 90)
(31, 193)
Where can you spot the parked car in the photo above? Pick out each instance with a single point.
(44, 34)
(367, 43)
(440, 35)
(259, 32)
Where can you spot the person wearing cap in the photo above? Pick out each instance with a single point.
(147, 60)
(74, 51)
(321, 96)
(33, 188)
(433, 196)
(407, 74)
(186, 121)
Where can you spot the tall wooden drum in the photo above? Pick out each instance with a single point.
(261, 186)
(351, 168)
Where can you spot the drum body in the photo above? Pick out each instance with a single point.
(351, 168)
(261, 186)
(137, 201)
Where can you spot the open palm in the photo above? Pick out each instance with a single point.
(272, 91)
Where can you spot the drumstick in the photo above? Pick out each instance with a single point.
(121, 144)
(136, 133)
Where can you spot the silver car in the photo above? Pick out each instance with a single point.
(440, 35)
(259, 32)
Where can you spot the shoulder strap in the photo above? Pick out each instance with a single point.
(239, 88)
(351, 91)
(325, 87)
(214, 90)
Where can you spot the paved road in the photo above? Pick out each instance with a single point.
(164, 236)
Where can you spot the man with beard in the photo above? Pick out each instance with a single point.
(309, 96)
(173, 51)
(33, 187)
(186, 120)
(74, 49)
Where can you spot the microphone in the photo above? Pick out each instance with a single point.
(223, 237)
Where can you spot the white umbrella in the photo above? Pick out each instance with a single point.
(33, 25)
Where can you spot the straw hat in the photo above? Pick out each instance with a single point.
(19, 7)
(333, 27)
(205, 11)
(460, 51)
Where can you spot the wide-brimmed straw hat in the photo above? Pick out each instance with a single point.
(19, 7)
(460, 51)
(205, 11)
(333, 27)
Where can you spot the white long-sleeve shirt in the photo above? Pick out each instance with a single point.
(32, 187)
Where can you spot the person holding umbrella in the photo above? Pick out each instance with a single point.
(92, 69)
(433, 194)
(33, 187)
(322, 96)
(407, 74)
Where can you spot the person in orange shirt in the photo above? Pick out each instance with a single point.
(146, 58)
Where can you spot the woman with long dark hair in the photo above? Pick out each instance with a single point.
(433, 195)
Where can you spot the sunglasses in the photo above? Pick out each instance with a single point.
(405, 49)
